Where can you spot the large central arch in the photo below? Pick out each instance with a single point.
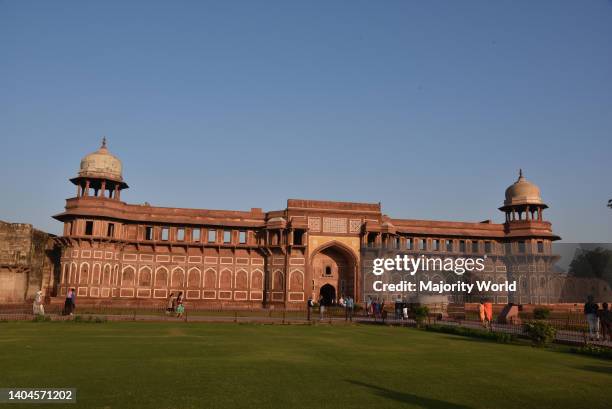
(334, 264)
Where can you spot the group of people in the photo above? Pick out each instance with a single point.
(348, 304)
(175, 305)
(375, 308)
(598, 319)
(485, 313)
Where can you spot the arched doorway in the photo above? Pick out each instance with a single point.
(328, 292)
(334, 265)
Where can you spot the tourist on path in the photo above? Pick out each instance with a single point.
(398, 308)
(180, 307)
(37, 305)
(67, 303)
(481, 313)
(170, 304)
(73, 301)
(605, 320)
(488, 309)
(374, 310)
(309, 304)
(321, 307)
(350, 304)
(590, 313)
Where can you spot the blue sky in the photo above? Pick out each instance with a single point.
(429, 107)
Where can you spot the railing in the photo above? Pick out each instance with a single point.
(571, 327)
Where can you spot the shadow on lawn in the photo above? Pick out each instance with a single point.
(426, 403)
(600, 369)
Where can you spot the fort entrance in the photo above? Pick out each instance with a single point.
(333, 270)
(328, 294)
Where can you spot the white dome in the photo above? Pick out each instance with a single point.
(522, 192)
(101, 164)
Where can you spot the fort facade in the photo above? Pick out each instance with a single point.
(113, 250)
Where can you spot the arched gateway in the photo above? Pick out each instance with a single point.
(334, 271)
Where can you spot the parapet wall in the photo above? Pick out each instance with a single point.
(27, 262)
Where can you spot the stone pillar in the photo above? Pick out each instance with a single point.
(86, 188)
(527, 213)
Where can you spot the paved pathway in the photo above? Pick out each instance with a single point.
(563, 336)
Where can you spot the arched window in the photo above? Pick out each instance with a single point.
(328, 271)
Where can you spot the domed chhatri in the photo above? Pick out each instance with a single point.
(523, 201)
(100, 175)
(523, 192)
(101, 164)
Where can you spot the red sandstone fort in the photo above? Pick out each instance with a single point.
(114, 251)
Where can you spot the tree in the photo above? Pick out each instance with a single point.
(596, 263)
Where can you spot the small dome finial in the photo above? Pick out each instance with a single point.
(103, 142)
(520, 173)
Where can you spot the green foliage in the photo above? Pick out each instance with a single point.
(420, 314)
(541, 313)
(541, 333)
(596, 263)
(473, 333)
(593, 350)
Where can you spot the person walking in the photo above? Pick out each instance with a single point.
(321, 307)
(309, 307)
(72, 301)
(374, 309)
(67, 302)
(605, 320)
(481, 313)
(368, 306)
(383, 311)
(37, 305)
(350, 304)
(488, 309)
(398, 308)
(343, 302)
(591, 310)
(170, 304)
(180, 307)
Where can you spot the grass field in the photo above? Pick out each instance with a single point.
(189, 365)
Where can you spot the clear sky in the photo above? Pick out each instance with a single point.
(430, 107)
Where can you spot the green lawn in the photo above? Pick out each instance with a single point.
(191, 365)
